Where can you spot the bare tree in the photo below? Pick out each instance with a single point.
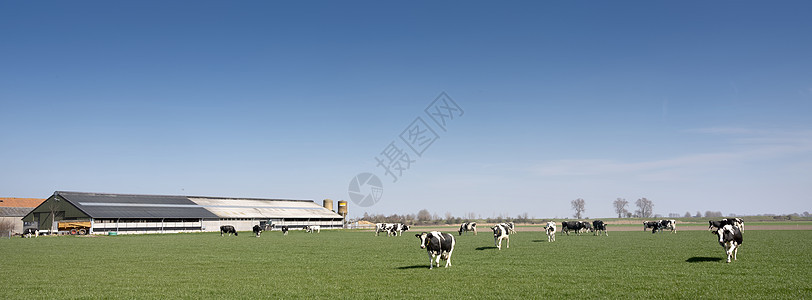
(424, 215)
(620, 206)
(687, 214)
(645, 208)
(578, 206)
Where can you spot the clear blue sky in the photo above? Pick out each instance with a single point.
(695, 105)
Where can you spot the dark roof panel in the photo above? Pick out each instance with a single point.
(135, 206)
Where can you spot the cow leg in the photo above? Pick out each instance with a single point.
(507, 239)
(735, 251)
(431, 261)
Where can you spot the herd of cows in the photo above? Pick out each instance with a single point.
(440, 245)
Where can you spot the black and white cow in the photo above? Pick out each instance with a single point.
(550, 228)
(586, 226)
(257, 230)
(468, 226)
(568, 226)
(501, 232)
(399, 228)
(715, 225)
(730, 237)
(739, 223)
(438, 245)
(284, 230)
(228, 229)
(384, 227)
(665, 224)
(511, 227)
(312, 228)
(650, 224)
(599, 226)
(28, 232)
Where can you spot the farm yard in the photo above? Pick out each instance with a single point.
(773, 264)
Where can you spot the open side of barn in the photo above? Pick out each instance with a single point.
(128, 214)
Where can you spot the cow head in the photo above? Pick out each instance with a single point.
(725, 233)
(422, 237)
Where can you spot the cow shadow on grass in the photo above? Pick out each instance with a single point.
(696, 259)
(486, 248)
(539, 241)
(413, 267)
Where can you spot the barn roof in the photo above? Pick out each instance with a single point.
(98, 205)
(20, 202)
(14, 211)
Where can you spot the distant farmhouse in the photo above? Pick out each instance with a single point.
(13, 209)
(97, 213)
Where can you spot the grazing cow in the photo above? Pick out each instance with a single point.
(730, 237)
(501, 232)
(586, 226)
(311, 228)
(284, 230)
(28, 232)
(550, 228)
(399, 228)
(599, 226)
(576, 226)
(227, 229)
(665, 224)
(438, 245)
(468, 226)
(257, 230)
(649, 224)
(383, 227)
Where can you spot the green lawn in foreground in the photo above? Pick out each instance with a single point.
(356, 264)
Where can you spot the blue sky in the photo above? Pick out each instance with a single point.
(695, 105)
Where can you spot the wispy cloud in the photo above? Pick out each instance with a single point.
(748, 145)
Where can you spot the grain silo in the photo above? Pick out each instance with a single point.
(328, 204)
(342, 210)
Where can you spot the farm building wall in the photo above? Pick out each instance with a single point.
(135, 226)
(61, 209)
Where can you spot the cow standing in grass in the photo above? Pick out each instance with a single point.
(599, 226)
(650, 224)
(312, 228)
(257, 230)
(28, 232)
(399, 228)
(550, 228)
(576, 226)
(384, 227)
(229, 229)
(438, 245)
(730, 237)
(501, 232)
(665, 224)
(468, 226)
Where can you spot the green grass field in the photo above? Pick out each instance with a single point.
(356, 264)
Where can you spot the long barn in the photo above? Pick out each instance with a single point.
(126, 214)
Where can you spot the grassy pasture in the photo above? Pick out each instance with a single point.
(356, 264)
